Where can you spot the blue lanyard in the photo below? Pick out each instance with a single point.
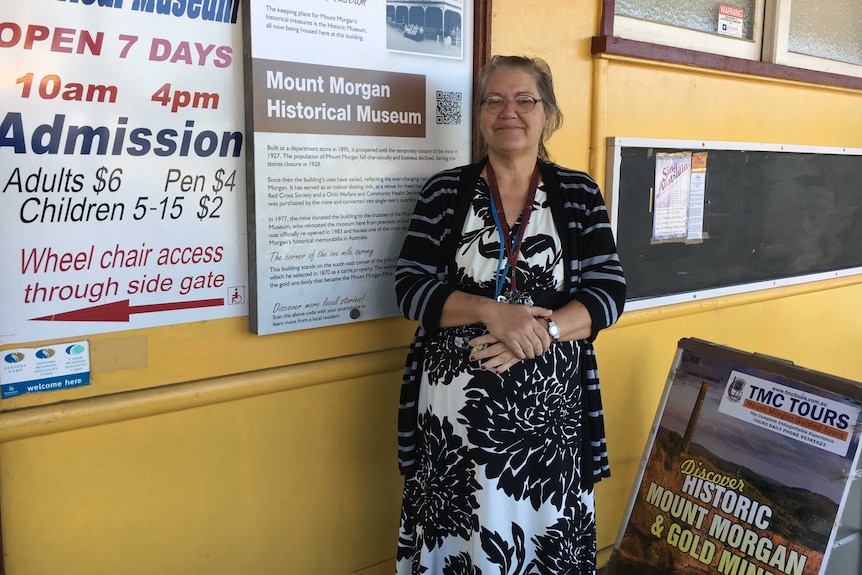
(507, 252)
(500, 279)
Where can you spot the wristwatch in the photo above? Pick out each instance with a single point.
(554, 330)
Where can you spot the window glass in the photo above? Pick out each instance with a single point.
(826, 29)
(700, 15)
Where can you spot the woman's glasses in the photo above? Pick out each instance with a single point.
(522, 104)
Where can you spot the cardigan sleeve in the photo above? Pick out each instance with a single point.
(421, 290)
(420, 274)
(597, 281)
(602, 284)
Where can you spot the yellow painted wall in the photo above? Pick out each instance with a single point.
(814, 325)
(202, 448)
(297, 481)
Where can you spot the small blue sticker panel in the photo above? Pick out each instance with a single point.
(44, 368)
(47, 384)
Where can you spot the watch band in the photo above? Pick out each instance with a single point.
(553, 330)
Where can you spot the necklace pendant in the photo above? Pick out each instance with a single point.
(516, 297)
(522, 298)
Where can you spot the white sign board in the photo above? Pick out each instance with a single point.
(353, 106)
(122, 172)
(797, 413)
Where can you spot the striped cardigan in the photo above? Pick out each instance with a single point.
(426, 268)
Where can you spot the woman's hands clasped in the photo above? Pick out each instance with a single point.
(515, 332)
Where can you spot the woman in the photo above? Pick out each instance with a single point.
(511, 269)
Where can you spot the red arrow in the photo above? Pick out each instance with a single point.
(121, 310)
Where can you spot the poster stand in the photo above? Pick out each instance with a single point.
(751, 467)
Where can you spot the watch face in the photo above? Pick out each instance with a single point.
(554, 330)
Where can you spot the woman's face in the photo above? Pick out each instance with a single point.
(509, 131)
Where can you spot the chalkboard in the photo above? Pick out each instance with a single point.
(772, 215)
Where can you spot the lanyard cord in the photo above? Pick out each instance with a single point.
(500, 278)
(509, 251)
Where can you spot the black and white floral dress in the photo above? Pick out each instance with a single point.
(497, 489)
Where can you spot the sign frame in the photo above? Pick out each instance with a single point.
(698, 457)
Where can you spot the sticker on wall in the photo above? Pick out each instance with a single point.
(44, 368)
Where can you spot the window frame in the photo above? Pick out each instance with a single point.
(776, 51)
(689, 39)
(776, 61)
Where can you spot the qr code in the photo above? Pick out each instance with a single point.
(449, 108)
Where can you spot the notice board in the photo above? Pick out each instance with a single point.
(750, 467)
(696, 219)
